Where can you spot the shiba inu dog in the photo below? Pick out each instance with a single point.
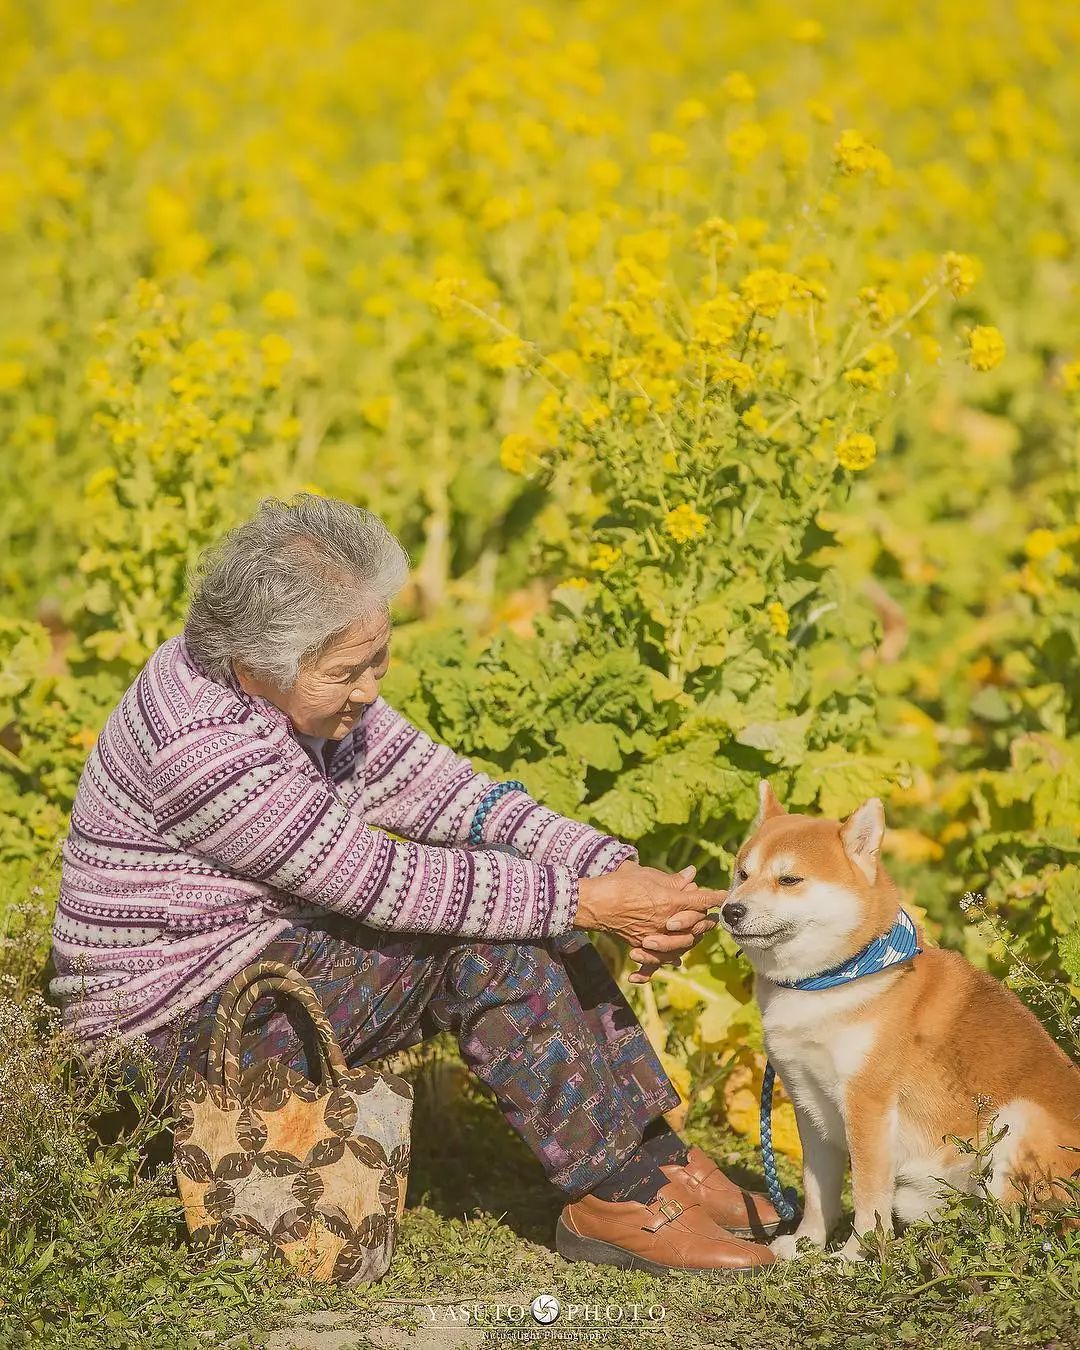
(885, 1066)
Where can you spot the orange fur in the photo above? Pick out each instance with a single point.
(885, 1069)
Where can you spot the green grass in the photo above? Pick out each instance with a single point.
(104, 1265)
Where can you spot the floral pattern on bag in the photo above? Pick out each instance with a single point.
(315, 1172)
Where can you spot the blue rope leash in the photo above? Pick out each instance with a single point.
(783, 1202)
(484, 806)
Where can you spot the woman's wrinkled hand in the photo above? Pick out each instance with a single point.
(660, 914)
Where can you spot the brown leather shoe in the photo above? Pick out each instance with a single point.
(666, 1235)
(741, 1212)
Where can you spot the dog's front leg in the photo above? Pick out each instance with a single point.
(871, 1129)
(823, 1184)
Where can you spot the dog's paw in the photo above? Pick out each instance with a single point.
(786, 1247)
(852, 1251)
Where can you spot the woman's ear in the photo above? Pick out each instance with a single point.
(247, 682)
(861, 835)
(768, 804)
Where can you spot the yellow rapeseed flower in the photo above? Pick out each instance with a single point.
(986, 347)
(279, 304)
(878, 363)
(584, 230)
(855, 155)
(650, 248)
(856, 452)
(376, 411)
(689, 111)
(12, 375)
(809, 31)
(751, 229)
(960, 273)
(1070, 377)
(276, 350)
(605, 173)
(378, 305)
(744, 143)
(753, 419)
(594, 413)
(446, 294)
(729, 370)
(738, 87)
(604, 557)
(99, 481)
(1040, 544)
(716, 235)
(779, 618)
(718, 320)
(518, 452)
(683, 523)
(506, 354)
(667, 148)
(766, 290)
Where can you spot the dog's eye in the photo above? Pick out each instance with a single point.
(790, 881)
(740, 874)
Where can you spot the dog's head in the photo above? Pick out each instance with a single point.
(807, 893)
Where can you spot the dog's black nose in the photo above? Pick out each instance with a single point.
(733, 913)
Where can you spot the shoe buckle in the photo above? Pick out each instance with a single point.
(670, 1209)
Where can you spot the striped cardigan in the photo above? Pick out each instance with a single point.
(202, 829)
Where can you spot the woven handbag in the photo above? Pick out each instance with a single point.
(314, 1172)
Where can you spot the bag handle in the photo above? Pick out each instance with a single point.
(240, 996)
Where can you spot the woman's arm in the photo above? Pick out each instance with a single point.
(414, 786)
(248, 799)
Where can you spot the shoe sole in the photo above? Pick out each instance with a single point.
(762, 1233)
(572, 1246)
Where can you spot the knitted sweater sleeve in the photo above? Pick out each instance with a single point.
(416, 787)
(248, 799)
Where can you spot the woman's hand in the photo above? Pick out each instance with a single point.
(660, 914)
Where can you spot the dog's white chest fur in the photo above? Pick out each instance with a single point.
(818, 1040)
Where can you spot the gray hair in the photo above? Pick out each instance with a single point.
(276, 590)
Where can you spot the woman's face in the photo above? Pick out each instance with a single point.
(330, 694)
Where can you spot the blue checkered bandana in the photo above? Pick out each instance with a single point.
(899, 944)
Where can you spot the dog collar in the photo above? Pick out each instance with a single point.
(899, 944)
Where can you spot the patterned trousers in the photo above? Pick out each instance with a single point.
(543, 1025)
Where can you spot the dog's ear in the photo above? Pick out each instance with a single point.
(861, 836)
(768, 805)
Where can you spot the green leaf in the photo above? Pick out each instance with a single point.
(491, 734)
(838, 780)
(709, 621)
(661, 687)
(1068, 945)
(596, 742)
(991, 705)
(784, 741)
(42, 1263)
(689, 986)
(1063, 897)
(628, 809)
(555, 781)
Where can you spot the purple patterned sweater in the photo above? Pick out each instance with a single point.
(202, 829)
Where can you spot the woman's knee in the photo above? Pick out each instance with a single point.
(500, 971)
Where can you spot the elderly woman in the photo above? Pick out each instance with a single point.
(227, 813)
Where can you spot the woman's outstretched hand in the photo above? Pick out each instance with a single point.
(660, 914)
